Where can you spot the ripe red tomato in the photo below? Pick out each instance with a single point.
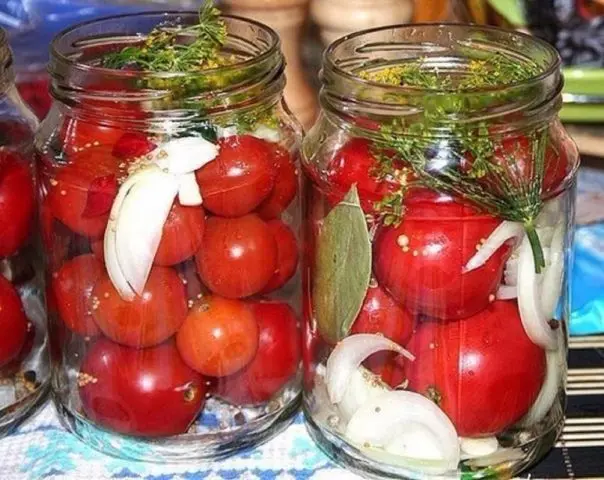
(355, 163)
(181, 236)
(286, 185)
(276, 360)
(72, 286)
(79, 135)
(132, 145)
(483, 371)
(81, 193)
(219, 336)
(287, 255)
(13, 322)
(15, 365)
(148, 392)
(17, 202)
(420, 261)
(148, 319)
(239, 178)
(238, 256)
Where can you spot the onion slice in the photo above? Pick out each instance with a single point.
(507, 292)
(406, 424)
(188, 191)
(349, 354)
(478, 447)
(184, 155)
(504, 231)
(362, 386)
(534, 320)
(551, 285)
(266, 133)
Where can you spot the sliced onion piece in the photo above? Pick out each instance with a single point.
(408, 424)
(266, 133)
(185, 155)
(223, 132)
(188, 190)
(554, 377)
(534, 320)
(140, 222)
(551, 285)
(500, 456)
(362, 386)
(504, 231)
(349, 354)
(432, 467)
(478, 447)
(506, 292)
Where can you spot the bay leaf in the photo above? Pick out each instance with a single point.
(342, 268)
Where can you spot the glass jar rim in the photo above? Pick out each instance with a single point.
(58, 58)
(331, 64)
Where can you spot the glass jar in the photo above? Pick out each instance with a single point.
(170, 214)
(24, 369)
(438, 222)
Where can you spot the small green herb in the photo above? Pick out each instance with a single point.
(177, 49)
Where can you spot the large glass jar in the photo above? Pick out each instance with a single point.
(438, 222)
(24, 369)
(170, 215)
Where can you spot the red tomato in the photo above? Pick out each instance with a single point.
(181, 236)
(17, 202)
(81, 193)
(353, 164)
(148, 392)
(286, 185)
(35, 92)
(287, 255)
(219, 336)
(381, 314)
(239, 178)
(483, 371)
(420, 262)
(238, 256)
(149, 319)
(72, 286)
(15, 365)
(276, 360)
(132, 145)
(98, 248)
(13, 323)
(79, 135)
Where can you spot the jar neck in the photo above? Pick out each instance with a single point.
(349, 99)
(83, 87)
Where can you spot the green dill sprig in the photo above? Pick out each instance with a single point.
(176, 48)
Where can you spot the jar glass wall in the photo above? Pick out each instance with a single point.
(170, 213)
(24, 369)
(438, 226)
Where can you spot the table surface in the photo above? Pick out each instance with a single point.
(41, 448)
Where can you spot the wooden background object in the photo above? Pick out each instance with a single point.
(287, 18)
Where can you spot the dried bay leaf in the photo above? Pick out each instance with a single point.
(342, 268)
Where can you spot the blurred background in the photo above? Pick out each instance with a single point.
(574, 27)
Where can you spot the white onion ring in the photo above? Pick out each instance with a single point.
(534, 320)
(553, 275)
(504, 231)
(362, 386)
(348, 356)
(507, 292)
(408, 425)
(478, 447)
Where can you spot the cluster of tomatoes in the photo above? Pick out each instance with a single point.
(17, 212)
(472, 356)
(205, 324)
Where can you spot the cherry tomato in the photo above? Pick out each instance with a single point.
(15, 365)
(181, 236)
(98, 248)
(132, 145)
(286, 186)
(17, 202)
(81, 193)
(36, 94)
(13, 322)
(276, 360)
(287, 255)
(147, 320)
(239, 178)
(420, 262)
(148, 392)
(483, 371)
(219, 336)
(238, 256)
(77, 134)
(72, 286)
(355, 163)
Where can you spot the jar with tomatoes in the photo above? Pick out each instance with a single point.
(170, 214)
(24, 365)
(437, 230)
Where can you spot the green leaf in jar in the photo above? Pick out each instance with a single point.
(342, 269)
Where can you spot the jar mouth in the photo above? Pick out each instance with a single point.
(440, 46)
(76, 73)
